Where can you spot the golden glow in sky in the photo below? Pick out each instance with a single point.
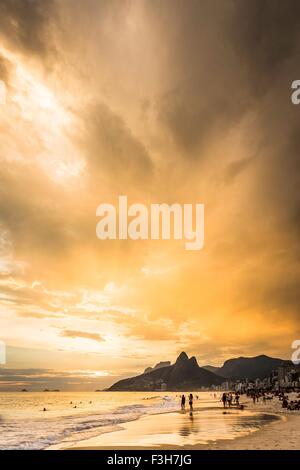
(114, 98)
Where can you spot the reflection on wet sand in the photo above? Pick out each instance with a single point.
(182, 429)
(189, 426)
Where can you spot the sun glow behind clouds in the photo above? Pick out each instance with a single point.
(52, 123)
(90, 373)
(101, 101)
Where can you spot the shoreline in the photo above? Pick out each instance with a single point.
(282, 434)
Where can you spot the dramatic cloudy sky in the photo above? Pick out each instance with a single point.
(163, 101)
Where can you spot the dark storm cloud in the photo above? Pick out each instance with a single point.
(229, 60)
(27, 24)
(266, 39)
(222, 58)
(203, 95)
(111, 146)
(265, 35)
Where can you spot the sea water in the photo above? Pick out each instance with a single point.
(72, 417)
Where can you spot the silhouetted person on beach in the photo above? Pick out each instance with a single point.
(224, 399)
(182, 402)
(191, 401)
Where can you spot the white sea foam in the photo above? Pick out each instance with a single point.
(53, 427)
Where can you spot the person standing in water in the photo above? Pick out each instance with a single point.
(191, 401)
(182, 402)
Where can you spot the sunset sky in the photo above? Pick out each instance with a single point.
(163, 101)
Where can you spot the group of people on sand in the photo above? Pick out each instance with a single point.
(191, 400)
(229, 399)
(289, 404)
(282, 396)
(256, 396)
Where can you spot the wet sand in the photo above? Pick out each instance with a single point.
(281, 435)
(280, 430)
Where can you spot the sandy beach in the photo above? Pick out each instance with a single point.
(280, 430)
(281, 435)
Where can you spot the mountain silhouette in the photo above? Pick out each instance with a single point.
(159, 365)
(184, 374)
(258, 367)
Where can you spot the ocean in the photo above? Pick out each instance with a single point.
(72, 417)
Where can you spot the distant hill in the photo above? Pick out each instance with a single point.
(213, 369)
(185, 374)
(257, 367)
(157, 366)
